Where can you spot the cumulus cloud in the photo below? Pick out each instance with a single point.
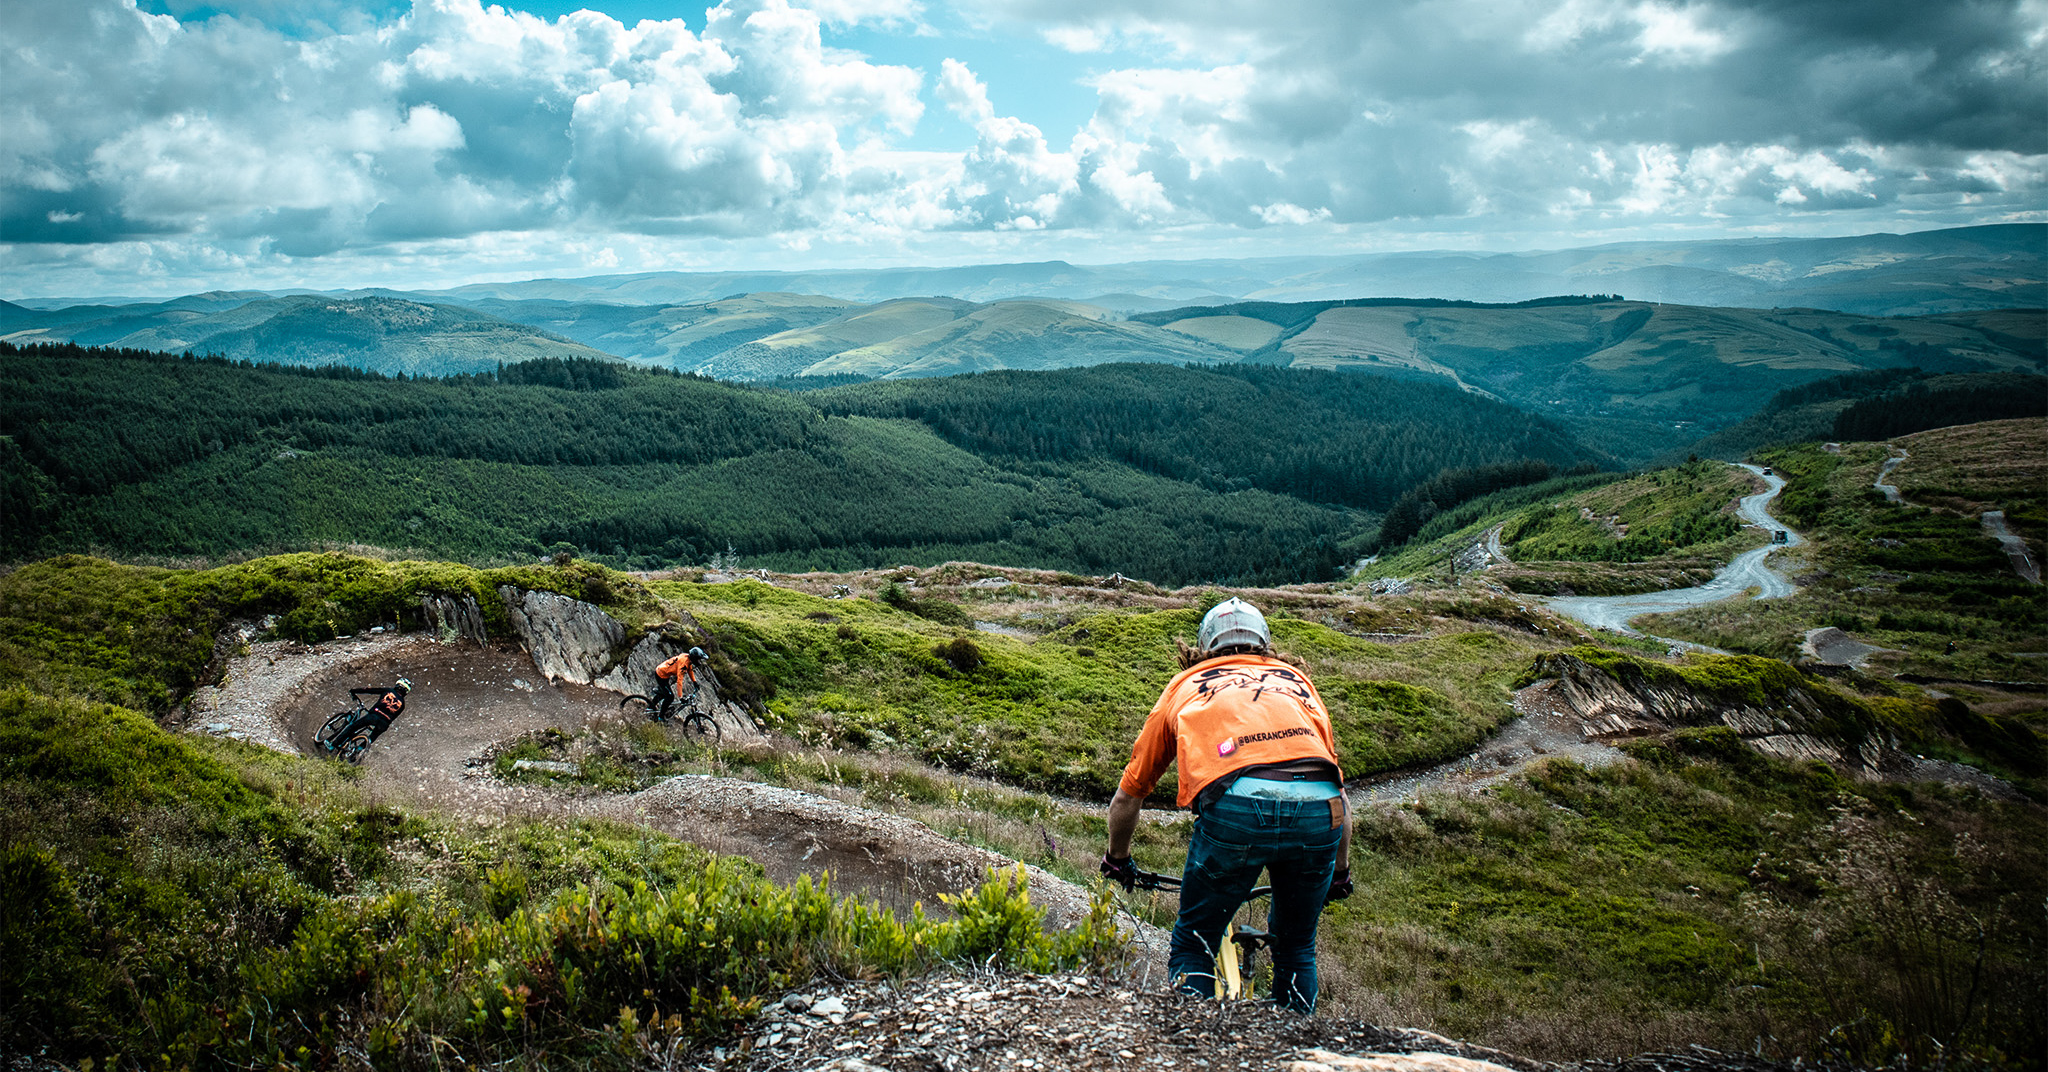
(454, 128)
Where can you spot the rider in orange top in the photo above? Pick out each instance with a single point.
(668, 677)
(1258, 763)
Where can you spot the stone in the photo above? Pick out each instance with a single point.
(451, 616)
(548, 766)
(568, 639)
(829, 1007)
(796, 1002)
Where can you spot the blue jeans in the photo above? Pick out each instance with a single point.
(1235, 838)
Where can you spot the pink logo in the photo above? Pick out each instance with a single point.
(1226, 746)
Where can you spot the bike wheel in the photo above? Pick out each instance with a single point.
(351, 750)
(637, 706)
(700, 729)
(332, 728)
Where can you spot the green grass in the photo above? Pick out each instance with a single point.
(1702, 891)
(184, 890)
(1059, 713)
(1591, 535)
(1902, 577)
(1689, 508)
(181, 901)
(144, 636)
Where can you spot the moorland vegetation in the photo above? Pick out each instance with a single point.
(264, 909)
(183, 900)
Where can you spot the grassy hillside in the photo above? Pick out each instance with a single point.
(386, 335)
(1911, 578)
(1635, 377)
(1175, 475)
(673, 336)
(1697, 893)
(1594, 534)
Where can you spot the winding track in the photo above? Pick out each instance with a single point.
(1747, 571)
(467, 698)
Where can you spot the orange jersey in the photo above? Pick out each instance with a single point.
(675, 668)
(1225, 714)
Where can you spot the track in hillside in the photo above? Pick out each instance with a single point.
(1747, 571)
(467, 698)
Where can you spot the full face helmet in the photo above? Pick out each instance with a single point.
(403, 686)
(1233, 622)
(697, 653)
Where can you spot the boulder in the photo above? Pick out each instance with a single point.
(1795, 723)
(568, 639)
(452, 616)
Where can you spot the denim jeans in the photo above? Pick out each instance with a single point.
(1235, 838)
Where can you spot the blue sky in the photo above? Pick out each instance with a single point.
(175, 146)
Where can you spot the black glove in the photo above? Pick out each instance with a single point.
(1121, 871)
(1340, 884)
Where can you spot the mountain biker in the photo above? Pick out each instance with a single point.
(1258, 764)
(385, 711)
(668, 677)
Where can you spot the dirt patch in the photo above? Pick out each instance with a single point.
(468, 699)
(1547, 726)
(1057, 1024)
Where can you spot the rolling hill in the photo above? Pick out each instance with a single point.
(1633, 375)
(1936, 271)
(1156, 471)
(377, 334)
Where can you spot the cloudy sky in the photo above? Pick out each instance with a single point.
(171, 146)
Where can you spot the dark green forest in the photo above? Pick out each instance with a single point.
(1877, 404)
(1942, 401)
(1255, 475)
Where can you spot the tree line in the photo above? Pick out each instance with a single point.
(1252, 476)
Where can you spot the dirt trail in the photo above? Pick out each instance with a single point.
(467, 698)
(1747, 571)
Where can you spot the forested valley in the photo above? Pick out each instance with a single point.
(1247, 475)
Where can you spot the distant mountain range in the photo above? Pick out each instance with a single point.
(388, 335)
(1940, 271)
(1964, 300)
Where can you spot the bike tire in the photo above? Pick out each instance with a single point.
(701, 729)
(351, 750)
(638, 706)
(332, 728)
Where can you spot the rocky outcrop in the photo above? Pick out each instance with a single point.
(636, 673)
(1793, 723)
(569, 640)
(452, 617)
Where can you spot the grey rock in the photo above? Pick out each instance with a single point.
(568, 639)
(452, 616)
(548, 766)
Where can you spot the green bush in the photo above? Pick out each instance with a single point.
(193, 901)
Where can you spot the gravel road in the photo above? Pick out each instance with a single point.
(1747, 571)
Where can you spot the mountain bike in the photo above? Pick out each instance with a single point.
(1234, 969)
(696, 724)
(346, 735)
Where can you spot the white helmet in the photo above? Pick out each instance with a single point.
(1233, 622)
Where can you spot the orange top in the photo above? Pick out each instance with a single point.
(1225, 714)
(675, 668)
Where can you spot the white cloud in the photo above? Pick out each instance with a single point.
(457, 129)
(962, 93)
